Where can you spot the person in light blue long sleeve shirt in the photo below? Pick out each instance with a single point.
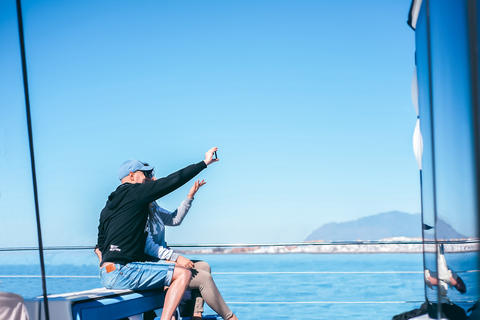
(202, 285)
(159, 218)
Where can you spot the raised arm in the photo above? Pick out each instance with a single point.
(193, 190)
(149, 192)
(176, 217)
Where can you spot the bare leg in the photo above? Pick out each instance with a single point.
(180, 281)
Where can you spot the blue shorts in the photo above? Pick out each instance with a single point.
(138, 275)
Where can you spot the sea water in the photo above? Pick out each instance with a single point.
(263, 286)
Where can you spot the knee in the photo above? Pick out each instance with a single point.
(206, 276)
(208, 268)
(182, 274)
(186, 274)
(186, 277)
(202, 265)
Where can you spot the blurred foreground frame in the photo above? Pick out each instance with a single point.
(445, 93)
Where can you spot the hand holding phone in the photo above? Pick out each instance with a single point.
(211, 156)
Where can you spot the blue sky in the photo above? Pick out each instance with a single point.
(308, 102)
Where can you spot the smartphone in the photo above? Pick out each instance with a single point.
(215, 155)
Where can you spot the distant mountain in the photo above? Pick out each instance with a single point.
(380, 226)
(445, 231)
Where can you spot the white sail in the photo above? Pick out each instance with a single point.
(418, 144)
(415, 91)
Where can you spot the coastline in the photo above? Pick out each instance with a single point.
(415, 246)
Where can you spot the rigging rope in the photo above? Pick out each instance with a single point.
(32, 155)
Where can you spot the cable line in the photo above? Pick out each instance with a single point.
(32, 155)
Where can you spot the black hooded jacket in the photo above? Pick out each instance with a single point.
(121, 231)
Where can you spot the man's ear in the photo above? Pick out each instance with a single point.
(131, 176)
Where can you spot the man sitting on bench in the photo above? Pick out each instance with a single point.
(122, 237)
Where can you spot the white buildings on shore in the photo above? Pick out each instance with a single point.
(391, 245)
